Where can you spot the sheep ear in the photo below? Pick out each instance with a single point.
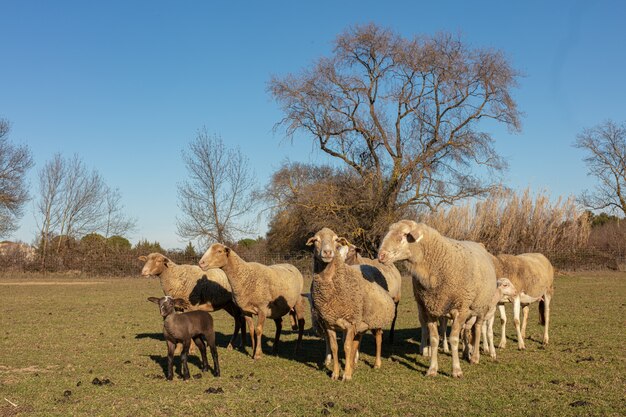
(414, 236)
(343, 241)
(227, 250)
(154, 300)
(143, 258)
(166, 261)
(312, 240)
(178, 302)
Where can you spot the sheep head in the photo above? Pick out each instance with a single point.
(506, 289)
(155, 264)
(402, 237)
(326, 245)
(351, 255)
(167, 304)
(215, 257)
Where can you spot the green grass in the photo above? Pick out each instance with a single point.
(56, 338)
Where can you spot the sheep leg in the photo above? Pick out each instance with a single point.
(478, 328)
(393, 323)
(183, 357)
(210, 338)
(546, 315)
(171, 348)
(202, 348)
(424, 349)
(250, 324)
(378, 335)
(242, 327)
(279, 327)
(516, 312)
(458, 320)
(443, 328)
(331, 337)
(357, 342)
(434, 347)
(299, 310)
(489, 335)
(525, 309)
(348, 335)
(258, 333)
(237, 315)
(502, 312)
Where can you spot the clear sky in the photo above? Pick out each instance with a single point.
(127, 84)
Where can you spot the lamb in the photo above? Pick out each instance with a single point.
(182, 328)
(261, 290)
(505, 290)
(206, 291)
(450, 277)
(345, 300)
(533, 276)
(387, 277)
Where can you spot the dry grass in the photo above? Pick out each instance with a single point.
(515, 223)
(56, 339)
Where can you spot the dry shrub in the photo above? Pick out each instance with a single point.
(509, 222)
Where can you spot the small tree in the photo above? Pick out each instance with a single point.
(15, 161)
(605, 145)
(217, 195)
(190, 252)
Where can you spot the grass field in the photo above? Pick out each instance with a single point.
(58, 334)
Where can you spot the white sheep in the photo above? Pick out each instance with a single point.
(533, 276)
(505, 290)
(450, 277)
(346, 301)
(387, 276)
(265, 291)
(206, 291)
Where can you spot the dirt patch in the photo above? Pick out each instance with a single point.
(28, 369)
(11, 410)
(24, 283)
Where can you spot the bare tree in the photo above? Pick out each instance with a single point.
(605, 145)
(115, 222)
(404, 114)
(217, 195)
(15, 161)
(82, 200)
(50, 187)
(75, 201)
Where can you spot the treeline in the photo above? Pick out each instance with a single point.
(507, 222)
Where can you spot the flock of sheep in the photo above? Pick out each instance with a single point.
(452, 280)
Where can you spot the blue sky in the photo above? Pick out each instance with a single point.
(127, 84)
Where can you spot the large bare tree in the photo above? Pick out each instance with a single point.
(605, 146)
(404, 114)
(15, 161)
(217, 195)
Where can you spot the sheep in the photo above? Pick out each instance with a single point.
(261, 290)
(449, 277)
(207, 291)
(533, 276)
(388, 277)
(505, 290)
(182, 328)
(344, 300)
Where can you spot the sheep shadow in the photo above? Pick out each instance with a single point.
(404, 350)
(221, 339)
(192, 361)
